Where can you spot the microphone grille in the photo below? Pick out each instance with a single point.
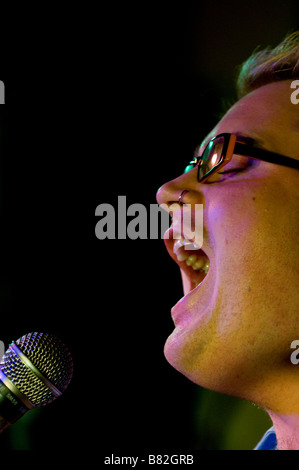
(52, 359)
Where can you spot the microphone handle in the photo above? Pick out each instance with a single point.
(11, 408)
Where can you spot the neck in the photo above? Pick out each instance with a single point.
(287, 430)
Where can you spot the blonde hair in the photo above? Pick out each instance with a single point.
(270, 65)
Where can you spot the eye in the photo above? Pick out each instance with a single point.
(238, 163)
(233, 170)
(222, 175)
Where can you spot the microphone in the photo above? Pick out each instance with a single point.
(34, 371)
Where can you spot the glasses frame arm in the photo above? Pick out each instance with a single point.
(265, 155)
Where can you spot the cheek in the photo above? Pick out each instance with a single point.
(250, 219)
(234, 221)
(256, 245)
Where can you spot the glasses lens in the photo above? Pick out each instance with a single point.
(211, 157)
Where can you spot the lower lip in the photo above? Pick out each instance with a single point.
(180, 312)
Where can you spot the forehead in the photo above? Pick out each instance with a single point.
(267, 115)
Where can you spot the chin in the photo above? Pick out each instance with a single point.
(210, 362)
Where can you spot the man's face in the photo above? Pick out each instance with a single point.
(233, 331)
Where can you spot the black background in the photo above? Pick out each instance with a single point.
(102, 103)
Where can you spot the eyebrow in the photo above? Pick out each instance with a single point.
(248, 139)
(243, 139)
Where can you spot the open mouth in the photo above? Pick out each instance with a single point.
(193, 261)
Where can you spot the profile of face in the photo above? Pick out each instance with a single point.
(234, 325)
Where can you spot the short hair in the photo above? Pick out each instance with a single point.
(269, 65)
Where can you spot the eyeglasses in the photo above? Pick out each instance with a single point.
(220, 150)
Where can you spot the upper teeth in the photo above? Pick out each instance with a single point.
(197, 262)
(185, 243)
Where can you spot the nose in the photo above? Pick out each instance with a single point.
(170, 192)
